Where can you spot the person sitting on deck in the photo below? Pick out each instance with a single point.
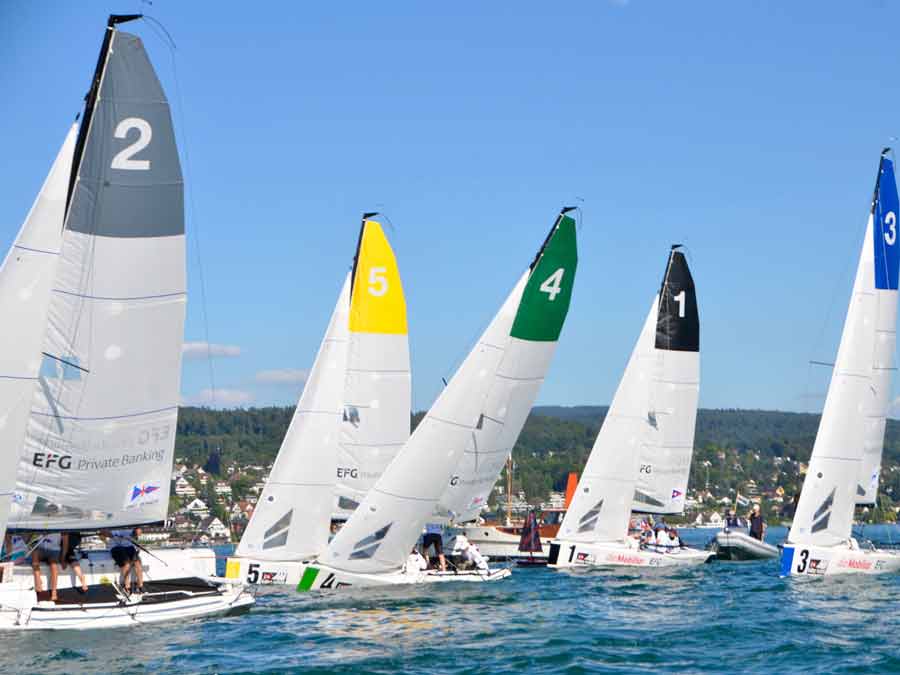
(125, 555)
(48, 550)
(757, 524)
(433, 538)
(415, 563)
(470, 553)
(662, 539)
(674, 541)
(71, 554)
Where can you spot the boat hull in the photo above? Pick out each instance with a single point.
(107, 606)
(817, 561)
(575, 555)
(498, 544)
(735, 546)
(321, 577)
(306, 576)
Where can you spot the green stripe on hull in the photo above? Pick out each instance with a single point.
(308, 578)
(545, 301)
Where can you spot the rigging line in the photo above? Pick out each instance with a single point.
(195, 226)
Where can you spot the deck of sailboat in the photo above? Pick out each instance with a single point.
(155, 592)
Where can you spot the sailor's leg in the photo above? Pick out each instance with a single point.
(139, 571)
(54, 578)
(36, 570)
(126, 569)
(76, 567)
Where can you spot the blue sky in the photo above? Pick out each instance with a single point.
(749, 131)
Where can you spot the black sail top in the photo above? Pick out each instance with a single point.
(677, 321)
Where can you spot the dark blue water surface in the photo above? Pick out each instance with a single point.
(720, 617)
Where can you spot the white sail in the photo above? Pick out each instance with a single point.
(649, 428)
(378, 388)
(852, 426)
(292, 517)
(25, 281)
(100, 437)
(479, 400)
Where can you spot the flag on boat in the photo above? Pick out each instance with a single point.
(531, 535)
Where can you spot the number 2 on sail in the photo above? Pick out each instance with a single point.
(123, 159)
(552, 284)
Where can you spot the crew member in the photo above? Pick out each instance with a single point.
(48, 550)
(757, 524)
(71, 554)
(471, 554)
(125, 555)
(415, 563)
(433, 538)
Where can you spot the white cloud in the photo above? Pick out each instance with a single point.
(221, 398)
(282, 376)
(202, 350)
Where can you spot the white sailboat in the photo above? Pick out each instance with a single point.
(93, 292)
(483, 406)
(350, 421)
(642, 455)
(846, 457)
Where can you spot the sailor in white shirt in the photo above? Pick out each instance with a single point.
(48, 550)
(471, 553)
(674, 541)
(415, 564)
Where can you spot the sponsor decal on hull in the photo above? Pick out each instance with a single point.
(626, 559)
(855, 564)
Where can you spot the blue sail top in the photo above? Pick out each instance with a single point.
(886, 208)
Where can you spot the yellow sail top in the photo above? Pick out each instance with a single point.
(377, 304)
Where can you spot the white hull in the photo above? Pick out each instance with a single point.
(499, 545)
(573, 555)
(316, 577)
(736, 545)
(799, 560)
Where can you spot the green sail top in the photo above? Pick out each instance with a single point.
(545, 300)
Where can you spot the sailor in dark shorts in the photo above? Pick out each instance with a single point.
(48, 550)
(124, 554)
(433, 538)
(71, 554)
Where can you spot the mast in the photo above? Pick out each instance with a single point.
(509, 466)
(362, 230)
(91, 98)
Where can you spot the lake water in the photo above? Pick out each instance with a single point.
(721, 617)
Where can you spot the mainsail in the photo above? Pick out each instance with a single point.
(846, 456)
(527, 356)
(292, 517)
(99, 441)
(25, 279)
(481, 397)
(650, 423)
(354, 408)
(378, 390)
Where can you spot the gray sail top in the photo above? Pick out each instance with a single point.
(129, 181)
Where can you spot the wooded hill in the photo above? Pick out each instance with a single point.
(732, 447)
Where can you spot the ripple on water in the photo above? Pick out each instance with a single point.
(718, 617)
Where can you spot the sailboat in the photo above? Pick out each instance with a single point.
(93, 292)
(352, 418)
(483, 407)
(642, 455)
(846, 457)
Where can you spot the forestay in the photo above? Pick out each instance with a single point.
(100, 437)
(527, 355)
(650, 420)
(25, 280)
(377, 394)
(379, 536)
(292, 517)
(851, 431)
